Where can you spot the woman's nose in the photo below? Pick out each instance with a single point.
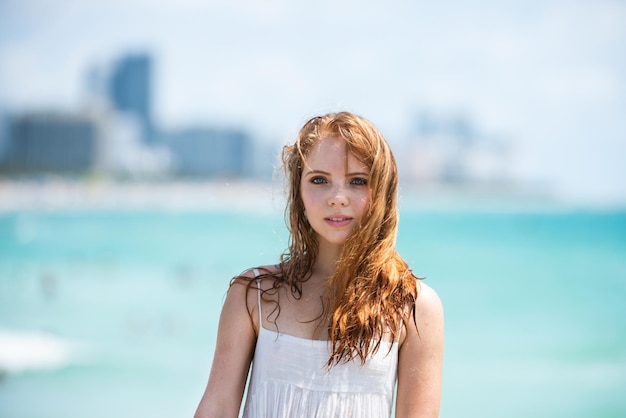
(338, 198)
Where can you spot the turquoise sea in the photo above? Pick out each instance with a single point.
(107, 313)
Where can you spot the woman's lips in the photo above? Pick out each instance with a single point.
(338, 221)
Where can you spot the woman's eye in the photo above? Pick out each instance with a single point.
(318, 180)
(359, 181)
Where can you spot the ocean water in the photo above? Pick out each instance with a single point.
(114, 313)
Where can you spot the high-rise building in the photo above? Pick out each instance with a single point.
(130, 90)
(41, 142)
(448, 148)
(210, 152)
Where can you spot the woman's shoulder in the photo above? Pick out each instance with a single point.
(261, 271)
(426, 317)
(427, 299)
(257, 274)
(246, 288)
(426, 295)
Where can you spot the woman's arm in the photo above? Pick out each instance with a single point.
(236, 338)
(420, 361)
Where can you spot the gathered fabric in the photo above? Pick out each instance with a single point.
(290, 378)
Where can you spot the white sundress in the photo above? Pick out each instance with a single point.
(290, 379)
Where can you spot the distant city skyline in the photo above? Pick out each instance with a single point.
(549, 75)
(113, 134)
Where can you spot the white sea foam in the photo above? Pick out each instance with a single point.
(22, 351)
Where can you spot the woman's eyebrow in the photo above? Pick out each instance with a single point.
(311, 171)
(352, 174)
(316, 172)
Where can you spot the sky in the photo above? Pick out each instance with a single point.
(549, 76)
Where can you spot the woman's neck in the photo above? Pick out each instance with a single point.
(326, 261)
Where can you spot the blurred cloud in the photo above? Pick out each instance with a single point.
(547, 74)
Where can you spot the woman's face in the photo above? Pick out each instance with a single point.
(334, 190)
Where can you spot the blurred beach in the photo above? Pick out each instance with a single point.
(110, 294)
(136, 178)
(58, 193)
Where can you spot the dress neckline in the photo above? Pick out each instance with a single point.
(283, 335)
(307, 340)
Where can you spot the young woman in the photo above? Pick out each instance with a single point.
(332, 327)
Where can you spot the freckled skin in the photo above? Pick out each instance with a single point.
(335, 194)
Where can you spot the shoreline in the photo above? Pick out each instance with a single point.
(92, 195)
(253, 195)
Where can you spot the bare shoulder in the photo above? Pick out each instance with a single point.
(244, 289)
(420, 361)
(253, 273)
(261, 271)
(427, 315)
(428, 320)
(428, 302)
(234, 348)
(271, 269)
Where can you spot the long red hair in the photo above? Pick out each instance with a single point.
(372, 290)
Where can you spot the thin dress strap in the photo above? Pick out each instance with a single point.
(258, 285)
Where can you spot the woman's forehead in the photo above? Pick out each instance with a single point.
(333, 151)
